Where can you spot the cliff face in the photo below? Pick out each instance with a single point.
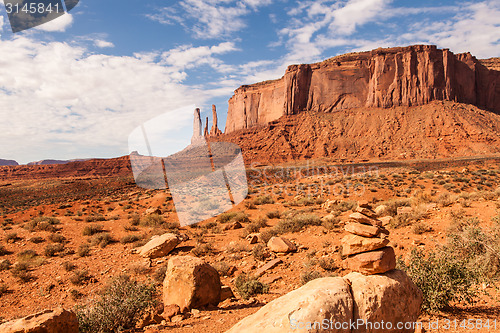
(403, 76)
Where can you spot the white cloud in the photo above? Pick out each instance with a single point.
(356, 13)
(187, 56)
(60, 101)
(210, 18)
(59, 24)
(475, 28)
(103, 44)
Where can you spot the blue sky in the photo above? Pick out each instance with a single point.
(77, 86)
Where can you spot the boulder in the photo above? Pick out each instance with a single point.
(48, 321)
(362, 229)
(386, 220)
(352, 244)
(322, 299)
(373, 262)
(381, 210)
(159, 246)
(363, 219)
(364, 204)
(281, 245)
(391, 297)
(190, 283)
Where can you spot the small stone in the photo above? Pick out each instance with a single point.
(225, 293)
(253, 238)
(280, 245)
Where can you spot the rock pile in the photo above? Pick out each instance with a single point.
(366, 245)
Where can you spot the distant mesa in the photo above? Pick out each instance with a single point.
(8, 162)
(382, 78)
(50, 162)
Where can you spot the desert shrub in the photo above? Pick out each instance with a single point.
(83, 250)
(56, 238)
(222, 268)
(263, 199)
(11, 236)
(22, 272)
(420, 228)
(478, 247)
(250, 205)
(393, 204)
(102, 240)
(37, 239)
(446, 199)
(135, 219)
(441, 277)
(328, 264)
(249, 286)
(3, 250)
(120, 305)
(252, 227)
(52, 250)
(259, 252)
(75, 294)
(226, 217)
(3, 289)
(92, 229)
(344, 206)
(5, 265)
(42, 223)
(202, 249)
(274, 214)
(30, 257)
(79, 277)
(297, 223)
(130, 239)
(95, 218)
(309, 275)
(152, 220)
(405, 219)
(68, 266)
(236, 247)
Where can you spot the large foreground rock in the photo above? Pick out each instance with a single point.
(190, 283)
(48, 321)
(326, 298)
(159, 246)
(392, 298)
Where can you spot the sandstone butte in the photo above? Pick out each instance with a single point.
(391, 77)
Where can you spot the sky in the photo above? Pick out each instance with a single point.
(78, 86)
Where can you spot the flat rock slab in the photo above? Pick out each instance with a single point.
(353, 244)
(364, 230)
(273, 263)
(48, 321)
(373, 262)
(281, 245)
(361, 218)
(159, 246)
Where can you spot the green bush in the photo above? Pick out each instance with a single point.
(441, 277)
(42, 223)
(296, 223)
(120, 305)
(263, 199)
(52, 250)
(248, 286)
(92, 229)
(102, 240)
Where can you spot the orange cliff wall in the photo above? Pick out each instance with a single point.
(401, 76)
